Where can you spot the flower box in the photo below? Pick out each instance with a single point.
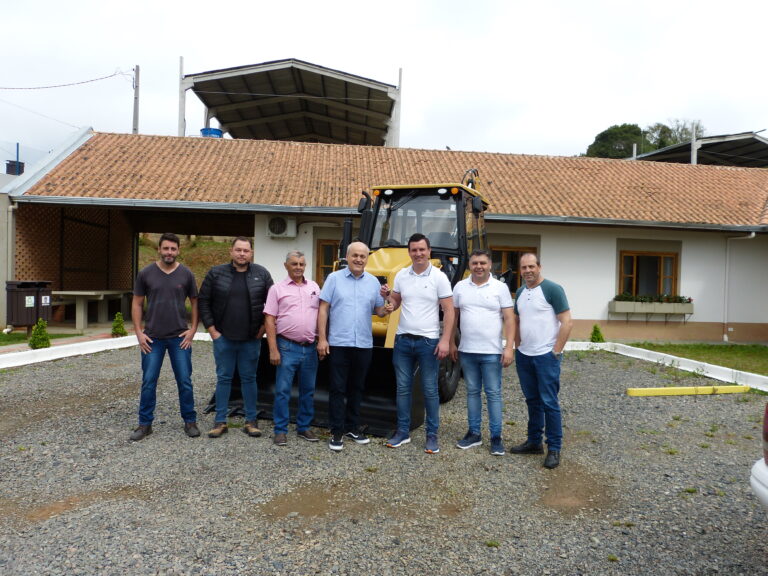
(619, 307)
(682, 308)
(624, 307)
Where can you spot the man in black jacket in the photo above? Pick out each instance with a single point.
(231, 304)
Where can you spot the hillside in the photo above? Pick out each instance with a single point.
(198, 255)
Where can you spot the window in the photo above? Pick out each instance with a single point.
(405, 213)
(327, 253)
(648, 273)
(506, 265)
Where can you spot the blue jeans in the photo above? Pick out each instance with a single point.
(409, 352)
(540, 381)
(482, 371)
(181, 362)
(301, 360)
(243, 355)
(348, 368)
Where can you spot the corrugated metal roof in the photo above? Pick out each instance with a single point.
(295, 100)
(746, 150)
(204, 173)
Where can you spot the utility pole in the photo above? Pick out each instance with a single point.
(694, 146)
(182, 99)
(136, 100)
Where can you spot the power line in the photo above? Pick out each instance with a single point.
(39, 114)
(118, 73)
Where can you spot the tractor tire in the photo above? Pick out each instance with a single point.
(448, 375)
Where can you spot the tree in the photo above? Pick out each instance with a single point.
(617, 141)
(660, 135)
(682, 130)
(677, 131)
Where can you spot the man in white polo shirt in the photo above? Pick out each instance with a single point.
(483, 305)
(422, 290)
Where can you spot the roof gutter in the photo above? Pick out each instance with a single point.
(181, 205)
(539, 219)
(341, 211)
(726, 279)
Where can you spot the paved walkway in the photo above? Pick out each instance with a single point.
(93, 332)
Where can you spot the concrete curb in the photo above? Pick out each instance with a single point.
(14, 359)
(720, 373)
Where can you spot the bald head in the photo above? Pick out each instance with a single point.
(359, 246)
(357, 257)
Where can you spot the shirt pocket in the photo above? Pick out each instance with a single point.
(314, 300)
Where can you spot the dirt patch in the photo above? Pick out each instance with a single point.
(20, 511)
(572, 489)
(347, 499)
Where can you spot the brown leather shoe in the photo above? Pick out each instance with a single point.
(280, 439)
(141, 432)
(308, 435)
(218, 429)
(191, 429)
(251, 429)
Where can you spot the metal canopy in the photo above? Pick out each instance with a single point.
(746, 150)
(295, 100)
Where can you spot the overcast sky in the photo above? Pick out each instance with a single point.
(512, 76)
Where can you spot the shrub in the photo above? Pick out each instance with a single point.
(118, 326)
(597, 334)
(668, 298)
(39, 337)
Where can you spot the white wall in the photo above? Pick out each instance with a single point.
(270, 252)
(748, 286)
(584, 261)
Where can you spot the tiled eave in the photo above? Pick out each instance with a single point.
(350, 211)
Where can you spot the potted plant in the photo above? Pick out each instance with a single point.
(646, 305)
(622, 304)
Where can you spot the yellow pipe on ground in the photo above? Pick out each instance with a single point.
(686, 390)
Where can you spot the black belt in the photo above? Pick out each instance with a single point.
(295, 342)
(411, 336)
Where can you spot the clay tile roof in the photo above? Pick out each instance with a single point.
(292, 176)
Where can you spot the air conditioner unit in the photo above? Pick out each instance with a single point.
(281, 227)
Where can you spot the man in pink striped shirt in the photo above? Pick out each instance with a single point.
(291, 323)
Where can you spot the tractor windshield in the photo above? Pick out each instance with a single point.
(406, 212)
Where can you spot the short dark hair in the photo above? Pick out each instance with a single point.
(243, 239)
(418, 237)
(538, 262)
(481, 252)
(169, 237)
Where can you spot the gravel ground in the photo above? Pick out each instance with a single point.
(654, 485)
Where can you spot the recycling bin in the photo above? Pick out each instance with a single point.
(27, 301)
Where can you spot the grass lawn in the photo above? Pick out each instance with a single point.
(21, 337)
(744, 357)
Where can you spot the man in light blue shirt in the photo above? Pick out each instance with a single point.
(347, 301)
